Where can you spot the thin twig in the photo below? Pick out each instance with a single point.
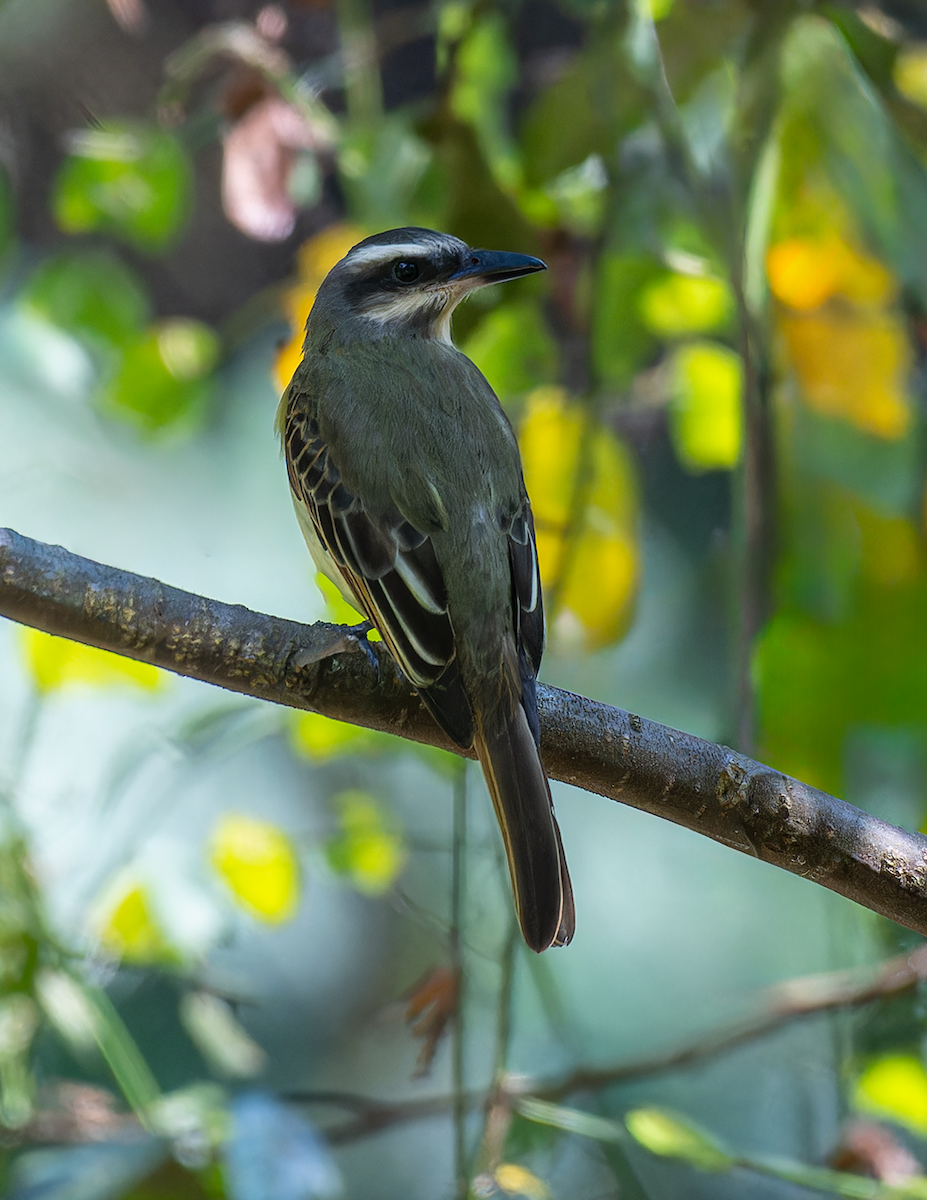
(788, 1001)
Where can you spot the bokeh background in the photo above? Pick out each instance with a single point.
(251, 953)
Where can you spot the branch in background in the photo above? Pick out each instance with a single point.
(790, 1000)
(79, 1113)
(700, 785)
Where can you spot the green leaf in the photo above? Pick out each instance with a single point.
(705, 414)
(573, 1120)
(587, 112)
(675, 304)
(127, 179)
(673, 1136)
(381, 169)
(621, 341)
(163, 378)
(486, 69)
(513, 349)
(366, 849)
(894, 1088)
(90, 294)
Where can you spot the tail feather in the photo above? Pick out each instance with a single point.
(521, 796)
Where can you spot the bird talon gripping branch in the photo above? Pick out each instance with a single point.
(360, 633)
(407, 484)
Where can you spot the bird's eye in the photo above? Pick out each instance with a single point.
(405, 272)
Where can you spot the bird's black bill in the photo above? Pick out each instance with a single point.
(496, 266)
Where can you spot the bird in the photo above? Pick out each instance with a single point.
(407, 483)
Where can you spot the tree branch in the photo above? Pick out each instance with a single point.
(694, 783)
(791, 1000)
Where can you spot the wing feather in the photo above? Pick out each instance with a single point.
(527, 600)
(390, 567)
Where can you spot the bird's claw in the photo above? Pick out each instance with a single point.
(358, 634)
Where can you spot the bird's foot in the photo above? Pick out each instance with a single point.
(358, 635)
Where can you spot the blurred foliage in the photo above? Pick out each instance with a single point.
(257, 862)
(718, 388)
(55, 662)
(127, 179)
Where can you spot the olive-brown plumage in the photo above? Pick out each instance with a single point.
(407, 483)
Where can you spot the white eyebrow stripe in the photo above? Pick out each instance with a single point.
(385, 254)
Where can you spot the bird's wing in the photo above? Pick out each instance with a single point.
(527, 599)
(390, 567)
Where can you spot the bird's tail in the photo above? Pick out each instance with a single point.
(521, 796)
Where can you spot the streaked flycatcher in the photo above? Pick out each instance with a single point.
(408, 487)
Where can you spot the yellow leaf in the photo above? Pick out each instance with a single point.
(705, 415)
(804, 272)
(56, 662)
(366, 849)
(258, 863)
(853, 365)
(321, 738)
(584, 497)
(519, 1181)
(340, 611)
(129, 929)
(684, 304)
(894, 1087)
(910, 73)
(314, 260)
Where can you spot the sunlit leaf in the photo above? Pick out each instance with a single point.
(129, 929)
(894, 1088)
(198, 1111)
(572, 1120)
(55, 662)
(220, 1036)
(676, 304)
(910, 73)
(163, 379)
(314, 260)
(258, 863)
(124, 178)
(584, 497)
(512, 348)
(366, 849)
(321, 738)
(339, 610)
(853, 365)
(673, 1136)
(804, 272)
(91, 294)
(515, 1180)
(705, 413)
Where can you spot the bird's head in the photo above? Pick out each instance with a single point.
(409, 281)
